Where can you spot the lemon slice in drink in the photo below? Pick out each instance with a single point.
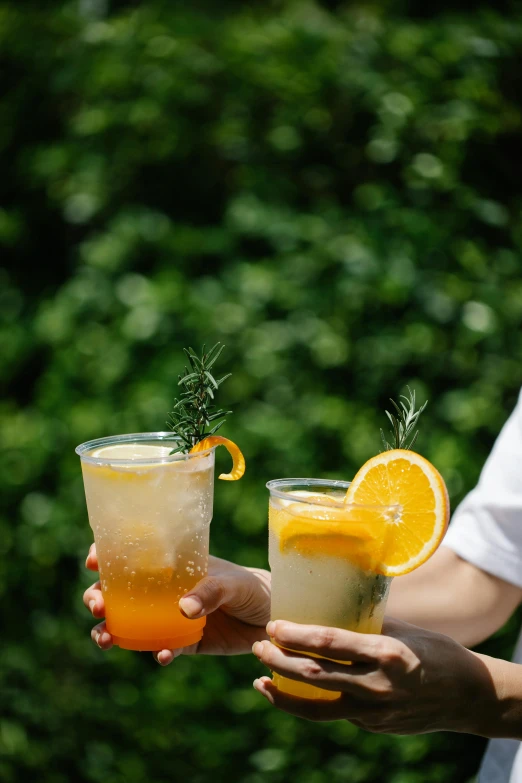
(136, 461)
(132, 451)
(402, 477)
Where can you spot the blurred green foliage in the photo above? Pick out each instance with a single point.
(333, 190)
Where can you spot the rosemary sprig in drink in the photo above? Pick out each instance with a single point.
(404, 423)
(194, 411)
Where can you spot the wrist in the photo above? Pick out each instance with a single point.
(497, 707)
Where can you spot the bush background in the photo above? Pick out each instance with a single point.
(331, 189)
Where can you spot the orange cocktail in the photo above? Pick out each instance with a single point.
(150, 512)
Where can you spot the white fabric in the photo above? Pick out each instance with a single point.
(486, 530)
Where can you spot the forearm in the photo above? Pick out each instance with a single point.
(499, 712)
(453, 597)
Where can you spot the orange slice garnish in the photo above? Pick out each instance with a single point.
(404, 478)
(238, 461)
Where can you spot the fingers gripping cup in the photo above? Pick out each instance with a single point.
(150, 512)
(324, 556)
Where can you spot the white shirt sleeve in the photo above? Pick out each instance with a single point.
(486, 528)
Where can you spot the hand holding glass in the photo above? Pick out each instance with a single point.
(323, 556)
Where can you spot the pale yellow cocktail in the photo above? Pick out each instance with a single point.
(335, 546)
(323, 555)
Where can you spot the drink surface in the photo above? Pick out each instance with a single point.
(321, 558)
(151, 526)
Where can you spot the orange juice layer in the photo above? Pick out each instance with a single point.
(304, 691)
(142, 609)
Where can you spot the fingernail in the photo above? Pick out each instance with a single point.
(163, 660)
(97, 638)
(192, 606)
(256, 684)
(257, 649)
(92, 604)
(270, 628)
(169, 656)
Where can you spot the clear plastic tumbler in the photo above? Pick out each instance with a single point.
(150, 512)
(324, 557)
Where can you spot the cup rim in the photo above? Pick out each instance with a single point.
(134, 437)
(273, 485)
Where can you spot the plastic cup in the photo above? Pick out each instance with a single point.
(150, 513)
(323, 558)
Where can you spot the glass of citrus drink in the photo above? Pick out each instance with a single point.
(335, 546)
(324, 557)
(150, 512)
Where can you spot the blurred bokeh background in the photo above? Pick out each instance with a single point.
(332, 189)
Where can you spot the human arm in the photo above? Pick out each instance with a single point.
(473, 583)
(235, 599)
(407, 681)
(467, 590)
(455, 597)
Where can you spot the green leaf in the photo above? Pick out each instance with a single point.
(214, 354)
(404, 422)
(211, 379)
(193, 411)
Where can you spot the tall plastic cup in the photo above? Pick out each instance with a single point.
(150, 512)
(324, 558)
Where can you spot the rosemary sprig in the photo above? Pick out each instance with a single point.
(404, 423)
(194, 411)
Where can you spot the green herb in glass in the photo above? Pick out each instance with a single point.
(194, 411)
(404, 423)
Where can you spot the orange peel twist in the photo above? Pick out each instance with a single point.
(238, 460)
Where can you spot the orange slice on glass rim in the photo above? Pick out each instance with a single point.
(402, 477)
(238, 460)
